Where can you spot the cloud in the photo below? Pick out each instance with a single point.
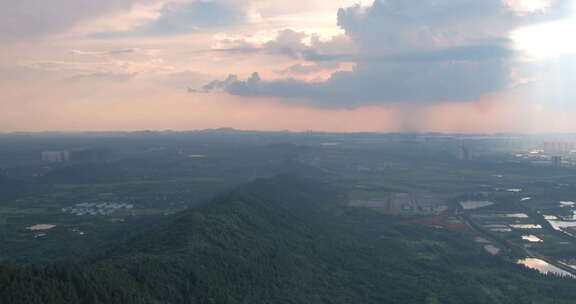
(36, 18)
(114, 52)
(424, 53)
(103, 76)
(294, 45)
(401, 25)
(463, 53)
(305, 69)
(377, 83)
(187, 17)
(121, 64)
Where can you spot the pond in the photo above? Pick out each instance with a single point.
(544, 267)
(532, 238)
(501, 230)
(470, 205)
(493, 250)
(41, 227)
(517, 215)
(526, 226)
(330, 144)
(558, 225)
(196, 156)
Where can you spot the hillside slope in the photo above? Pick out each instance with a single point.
(287, 240)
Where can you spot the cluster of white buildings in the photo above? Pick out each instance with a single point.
(96, 208)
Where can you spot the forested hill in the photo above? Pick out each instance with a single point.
(287, 240)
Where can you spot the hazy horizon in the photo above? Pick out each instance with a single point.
(229, 129)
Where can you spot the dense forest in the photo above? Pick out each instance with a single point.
(286, 240)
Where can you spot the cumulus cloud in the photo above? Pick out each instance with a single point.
(426, 52)
(377, 83)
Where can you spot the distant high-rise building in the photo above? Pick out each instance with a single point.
(558, 148)
(557, 161)
(466, 153)
(56, 156)
(90, 155)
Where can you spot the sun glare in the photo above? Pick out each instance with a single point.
(548, 39)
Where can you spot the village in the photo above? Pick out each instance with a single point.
(94, 209)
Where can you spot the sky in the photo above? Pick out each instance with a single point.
(464, 66)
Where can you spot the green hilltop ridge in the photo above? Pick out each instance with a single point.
(286, 240)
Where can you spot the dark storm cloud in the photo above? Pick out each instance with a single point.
(425, 52)
(415, 82)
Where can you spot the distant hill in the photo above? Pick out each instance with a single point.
(286, 240)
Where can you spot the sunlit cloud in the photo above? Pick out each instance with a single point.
(528, 6)
(547, 40)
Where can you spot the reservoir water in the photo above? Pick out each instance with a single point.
(470, 205)
(544, 267)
